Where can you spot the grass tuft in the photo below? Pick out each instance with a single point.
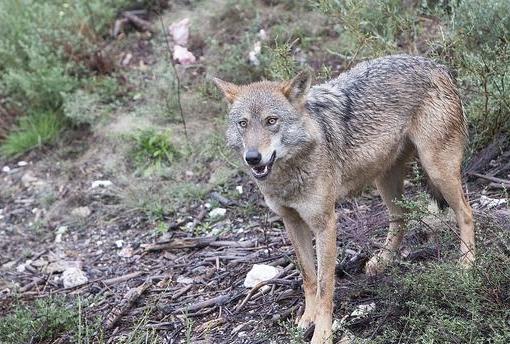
(32, 131)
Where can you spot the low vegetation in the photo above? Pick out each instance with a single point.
(61, 73)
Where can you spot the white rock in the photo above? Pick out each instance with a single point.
(28, 179)
(184, 280)
(60, 231)
(22, 163)
(260, 273)
(81, 212)
(489, 203)
(101, 183)
(254, 53)
(183, 55)
(126, 252)
(73, 277)
(263, 34)
(363, 310)
(180, 31)
(217, 212)
(6, 169)
(127, 59)
(239, 189)
(119, 243)
(62, 265)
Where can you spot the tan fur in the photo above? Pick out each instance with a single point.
(304, 187)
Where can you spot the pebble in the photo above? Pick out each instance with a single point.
(73, 277)
(260, 273)
(101, 184)
(81, 212)
(217, 212)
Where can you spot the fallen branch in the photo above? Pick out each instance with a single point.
(119, 279)
(125, 304)
(222, 199)
(138, 22)
(505, 182)
(215, 301)
(175, 244)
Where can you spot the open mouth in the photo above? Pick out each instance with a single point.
(262, 171)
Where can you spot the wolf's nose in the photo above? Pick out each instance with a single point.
(252, 157)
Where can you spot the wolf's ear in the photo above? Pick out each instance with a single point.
(298, 87)
(230, 91)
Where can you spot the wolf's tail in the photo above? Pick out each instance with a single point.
(434, 192)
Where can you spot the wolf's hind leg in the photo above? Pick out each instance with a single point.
(443, 169)
(391, 187)
(301, 237)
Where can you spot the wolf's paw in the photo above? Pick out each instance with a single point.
(466, 260)
(377, 264)
(306, 320)
(322, 336)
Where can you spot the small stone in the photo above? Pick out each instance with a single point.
(363, 310)
(260, 273)
(126, 252)
(101, 184)
(239, 189)
(184, 280)
(61, 265)
(217, 213)
(73, 277)
(81, 212)
(28, 179)
(488, 202)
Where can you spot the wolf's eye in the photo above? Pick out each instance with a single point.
(243, 123)
(271, 121)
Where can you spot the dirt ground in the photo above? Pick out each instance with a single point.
(180, 279)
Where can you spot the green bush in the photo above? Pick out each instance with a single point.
(44, 51)
(46, 321)
(32, 131)
(470, 36)
(153, 148)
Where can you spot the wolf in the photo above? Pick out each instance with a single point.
(309, 147)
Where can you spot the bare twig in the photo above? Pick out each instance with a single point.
(177, 78)
(505, 182)
(126, 303)
(138, 22)
(180, 244)
(119, 279)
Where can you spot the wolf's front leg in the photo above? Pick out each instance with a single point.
(301, 237)
(325, 231)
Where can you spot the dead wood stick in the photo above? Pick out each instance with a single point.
(181, 292)
(180, 244)
(498, 186)
(138, 22)
(125, 304)
(222, 199)
(505, 182)
(32, 284)
(119, 279)
(215, 301)
(226, 243)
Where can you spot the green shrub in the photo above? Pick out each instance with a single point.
(470, 36)
(31, 132)
(153, 148)
(45, 321)
(44, 54)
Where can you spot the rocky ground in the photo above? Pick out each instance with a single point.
(67, 231)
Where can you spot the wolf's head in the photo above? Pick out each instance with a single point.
(267, 121)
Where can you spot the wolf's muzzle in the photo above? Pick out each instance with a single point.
(252, 157)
